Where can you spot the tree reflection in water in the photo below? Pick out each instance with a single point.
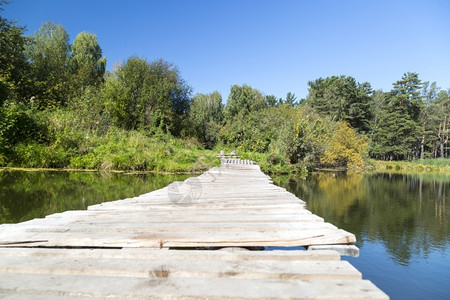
(28, 195)
(407, 213)
(401, 223)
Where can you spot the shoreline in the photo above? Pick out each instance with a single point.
(441, 166)
(123, 172)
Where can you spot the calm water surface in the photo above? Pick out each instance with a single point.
(28, 195)
(401, 223)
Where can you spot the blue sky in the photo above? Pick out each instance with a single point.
(274, 46)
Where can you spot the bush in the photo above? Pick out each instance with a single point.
(18, 123)
(346, 149)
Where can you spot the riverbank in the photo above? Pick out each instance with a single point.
(438, 165)
(134, 152)
(118, 151)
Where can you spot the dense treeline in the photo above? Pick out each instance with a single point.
(59, 107)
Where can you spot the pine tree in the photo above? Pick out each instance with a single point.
(399, 130)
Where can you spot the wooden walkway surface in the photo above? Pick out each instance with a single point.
(121, 250)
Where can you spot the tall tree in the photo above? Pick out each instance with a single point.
(291, 100)
(440, 123)
(206, 115)
(147, 95)
(13, 63)
(272, 101)
(429, 94)
(87, 64)
(378, 100)
(243, 100)
(342, 98)
(398, 133)
(49, 54)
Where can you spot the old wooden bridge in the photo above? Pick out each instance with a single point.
(188, 240)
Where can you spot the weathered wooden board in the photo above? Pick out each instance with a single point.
(173, 238)
(162, 274)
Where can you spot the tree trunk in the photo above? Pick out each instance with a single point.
(443, 136)
(422, 143)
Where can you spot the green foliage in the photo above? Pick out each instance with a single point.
(89, 111)
(149, 96)
(271, 163)
(272, 101)
(346, 149)
(205, 117)
(291, 100)
(87, 64)
(48, 53)
(18, 123)
(431, 166)
(295, 136)
(342, 98)
(309, 139)
(243, 100)
(133, 150)
(58, 109)
(398, 131)
(13, 63)
(437, 125)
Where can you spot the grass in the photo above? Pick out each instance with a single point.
(123, 151)
(439, 165)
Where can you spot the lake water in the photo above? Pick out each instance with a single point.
(28, 195)
(401, 222)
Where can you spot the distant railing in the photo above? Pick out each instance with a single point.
(224, 155)
(232, 159)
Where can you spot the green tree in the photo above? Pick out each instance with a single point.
(342, 98)
(147, 95)
(439, 122)
(13, 63)
(398, 132)
(243, 100)
(297, 135)
(308, 139)
(87, 64)
(206, 115)
(429, 94)
(49, 53)
(291, 100)
(272, 101)
(378, 100)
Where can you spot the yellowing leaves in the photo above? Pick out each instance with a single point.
(346, 149)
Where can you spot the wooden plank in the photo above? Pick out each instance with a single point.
(348, 250)
(112, 225)
(183, 274)
(179, 239)
(182, 268)
(150, 218)
(165, 287)
(144, 253)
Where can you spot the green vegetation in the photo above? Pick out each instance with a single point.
(431, 166)
(60, 108)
